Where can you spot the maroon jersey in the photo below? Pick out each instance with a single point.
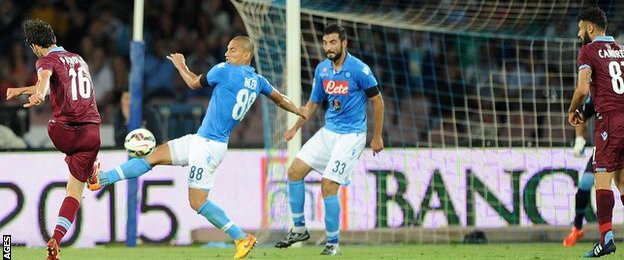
(71, 88)
(605, 57)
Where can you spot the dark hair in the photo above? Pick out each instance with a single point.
(334, 28)
(594, 15)
(39, 33)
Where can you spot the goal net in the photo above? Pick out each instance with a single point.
(476, 94)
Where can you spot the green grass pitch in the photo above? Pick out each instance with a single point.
(452, 251)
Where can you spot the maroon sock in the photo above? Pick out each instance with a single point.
(66, 216)
(604, 211)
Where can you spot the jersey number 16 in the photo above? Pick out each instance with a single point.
(615, 70)
(80, 83)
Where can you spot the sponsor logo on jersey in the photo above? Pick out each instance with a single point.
(336, 87)
(336, 104)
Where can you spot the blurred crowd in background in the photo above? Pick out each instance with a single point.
(441, 88)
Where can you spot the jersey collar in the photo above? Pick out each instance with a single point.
(345, 64)
(604, 39)
(55, 49)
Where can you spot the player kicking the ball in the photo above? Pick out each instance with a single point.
(235, 87)
(75, 124)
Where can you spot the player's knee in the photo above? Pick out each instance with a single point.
(294, 174)
(329, 187)
(197, 198)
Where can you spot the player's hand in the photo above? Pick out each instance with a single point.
(13, 92)
(575, 118)
(303, 112)
(377, 145)
(34, 100)
(177, 59)
(579, 146)
(290, 134)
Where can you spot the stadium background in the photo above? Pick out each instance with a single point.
(475, 93)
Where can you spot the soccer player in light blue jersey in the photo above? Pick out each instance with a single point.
(346, 83)
(235, 88)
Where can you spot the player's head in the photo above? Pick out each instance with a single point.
(334, 41)
(239, 51)
(591, 23)
(38, 35)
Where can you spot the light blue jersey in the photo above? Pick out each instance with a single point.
(344, 91)
(235, 89)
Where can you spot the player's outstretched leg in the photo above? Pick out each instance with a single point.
(128, 170)
(582, 200)
(296, 199)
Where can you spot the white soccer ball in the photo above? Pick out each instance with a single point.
(140, 142)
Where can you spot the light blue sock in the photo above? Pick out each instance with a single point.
(296, 198)
(128, 170)
(587, 181)
(213, 213)
(332, 219)
(608, 236)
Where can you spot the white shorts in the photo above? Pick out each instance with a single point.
(202, 155)
(332, 154)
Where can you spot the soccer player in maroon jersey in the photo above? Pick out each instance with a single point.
(600, 65)
(74, 127)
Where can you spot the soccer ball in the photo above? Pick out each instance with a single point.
(140, 142)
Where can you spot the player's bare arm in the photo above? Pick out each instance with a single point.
(179, 62)
(581, 91)
(15, 92)
(40, 89)
(378, 110)
(284, 102)
(310, 108)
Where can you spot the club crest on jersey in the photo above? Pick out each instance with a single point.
(336, 105)
(604, 135)
(336, 87)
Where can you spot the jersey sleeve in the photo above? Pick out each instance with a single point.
(217, 74)
(583, 60)
(265, 87)
(44, 63)
(318, 93)
(365, 77)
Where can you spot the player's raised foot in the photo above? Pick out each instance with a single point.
(292, 238)
(601, 250)
(244, 246)
(574, 236)
(93, 183)
(331, 249)
(53, 249)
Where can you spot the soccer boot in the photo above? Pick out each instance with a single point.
(244, 246)
(292, 238)
(93, 183)
(601, 250)
(53, 249)
(575, 235)
(331, 249)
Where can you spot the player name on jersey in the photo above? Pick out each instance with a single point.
(611, 54)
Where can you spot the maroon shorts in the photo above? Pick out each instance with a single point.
(80, 143)
(609, 142)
